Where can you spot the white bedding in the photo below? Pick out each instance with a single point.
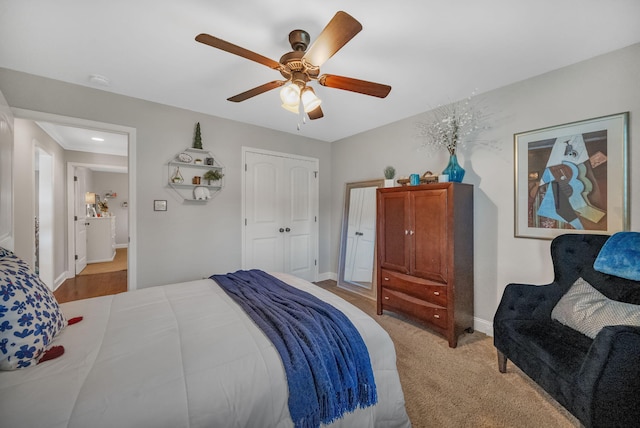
(180, 355)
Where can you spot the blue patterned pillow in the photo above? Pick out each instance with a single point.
(29, 315)
(620, 256)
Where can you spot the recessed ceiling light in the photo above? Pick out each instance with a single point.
(97, 139)
(97, 79)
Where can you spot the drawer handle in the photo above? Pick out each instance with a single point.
(437, 293)
(386, 298)
(436, 316)
(386, 278)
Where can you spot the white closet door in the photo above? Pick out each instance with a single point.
(280, 207)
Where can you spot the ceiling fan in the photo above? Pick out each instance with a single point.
(302, 65)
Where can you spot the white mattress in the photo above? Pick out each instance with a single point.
(180, 355)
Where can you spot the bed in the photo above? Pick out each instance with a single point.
(179, 355)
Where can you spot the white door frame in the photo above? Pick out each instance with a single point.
(109, 127)
(44, 203)
(245, 149)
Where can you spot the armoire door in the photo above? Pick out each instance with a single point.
(394, 231)
(280, 221)
(430, 234)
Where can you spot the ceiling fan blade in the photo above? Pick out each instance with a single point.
(316, 113)
(342, 28)
(256, 91)
(237, 50)
(354, 85)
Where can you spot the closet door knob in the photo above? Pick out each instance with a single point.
(287, 230)
(281, 230)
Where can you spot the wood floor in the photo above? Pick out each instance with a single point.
(85, 286)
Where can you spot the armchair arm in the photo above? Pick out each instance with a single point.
(525, 301)
(608, 384)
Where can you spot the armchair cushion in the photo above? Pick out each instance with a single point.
(585, 309)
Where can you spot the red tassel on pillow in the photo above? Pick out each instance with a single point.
(75, 320)
(51, 353)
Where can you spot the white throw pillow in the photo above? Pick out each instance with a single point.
(585, 309)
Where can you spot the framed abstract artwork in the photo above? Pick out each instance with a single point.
(572, 178)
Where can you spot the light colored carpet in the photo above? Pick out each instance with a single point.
(118, 263)
(460, 387)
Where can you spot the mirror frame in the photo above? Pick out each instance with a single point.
(343, 242)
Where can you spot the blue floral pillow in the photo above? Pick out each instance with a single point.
(30, 316)
(5, 253)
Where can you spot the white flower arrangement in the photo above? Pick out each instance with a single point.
(103, 204)
(452, 126)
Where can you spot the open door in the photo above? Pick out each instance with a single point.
(80, 219)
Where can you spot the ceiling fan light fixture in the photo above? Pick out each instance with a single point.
(290, 94)
(292, 108)
(309, 99)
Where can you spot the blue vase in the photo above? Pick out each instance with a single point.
(454, 170)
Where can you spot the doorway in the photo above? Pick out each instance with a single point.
(130, 136)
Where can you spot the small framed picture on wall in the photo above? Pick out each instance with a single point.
(160, 205)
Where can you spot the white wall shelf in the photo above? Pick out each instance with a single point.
(193, 163)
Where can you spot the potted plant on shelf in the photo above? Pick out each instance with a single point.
(213, 175)
(389, 175)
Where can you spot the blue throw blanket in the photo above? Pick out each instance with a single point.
(325, 359)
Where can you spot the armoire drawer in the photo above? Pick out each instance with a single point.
(412, 306)
(417, 287)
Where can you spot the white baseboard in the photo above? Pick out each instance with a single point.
(327, 275)
(483, 326)
(59, 280)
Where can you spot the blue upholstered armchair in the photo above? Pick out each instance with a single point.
(596, 379)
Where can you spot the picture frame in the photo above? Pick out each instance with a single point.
(572, 178)
(160, 205)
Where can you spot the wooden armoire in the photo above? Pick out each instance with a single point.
(425, 255)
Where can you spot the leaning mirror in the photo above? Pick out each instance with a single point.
(358, 238)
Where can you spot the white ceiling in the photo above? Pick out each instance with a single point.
(430, 51)
(87, 140)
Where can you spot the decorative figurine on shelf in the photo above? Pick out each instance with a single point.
(197, 141)
(201, 193)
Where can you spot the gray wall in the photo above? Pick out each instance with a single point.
(190, 241)
(103, 182)
(601, 86)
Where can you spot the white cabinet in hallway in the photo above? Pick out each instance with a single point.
(101, 239)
